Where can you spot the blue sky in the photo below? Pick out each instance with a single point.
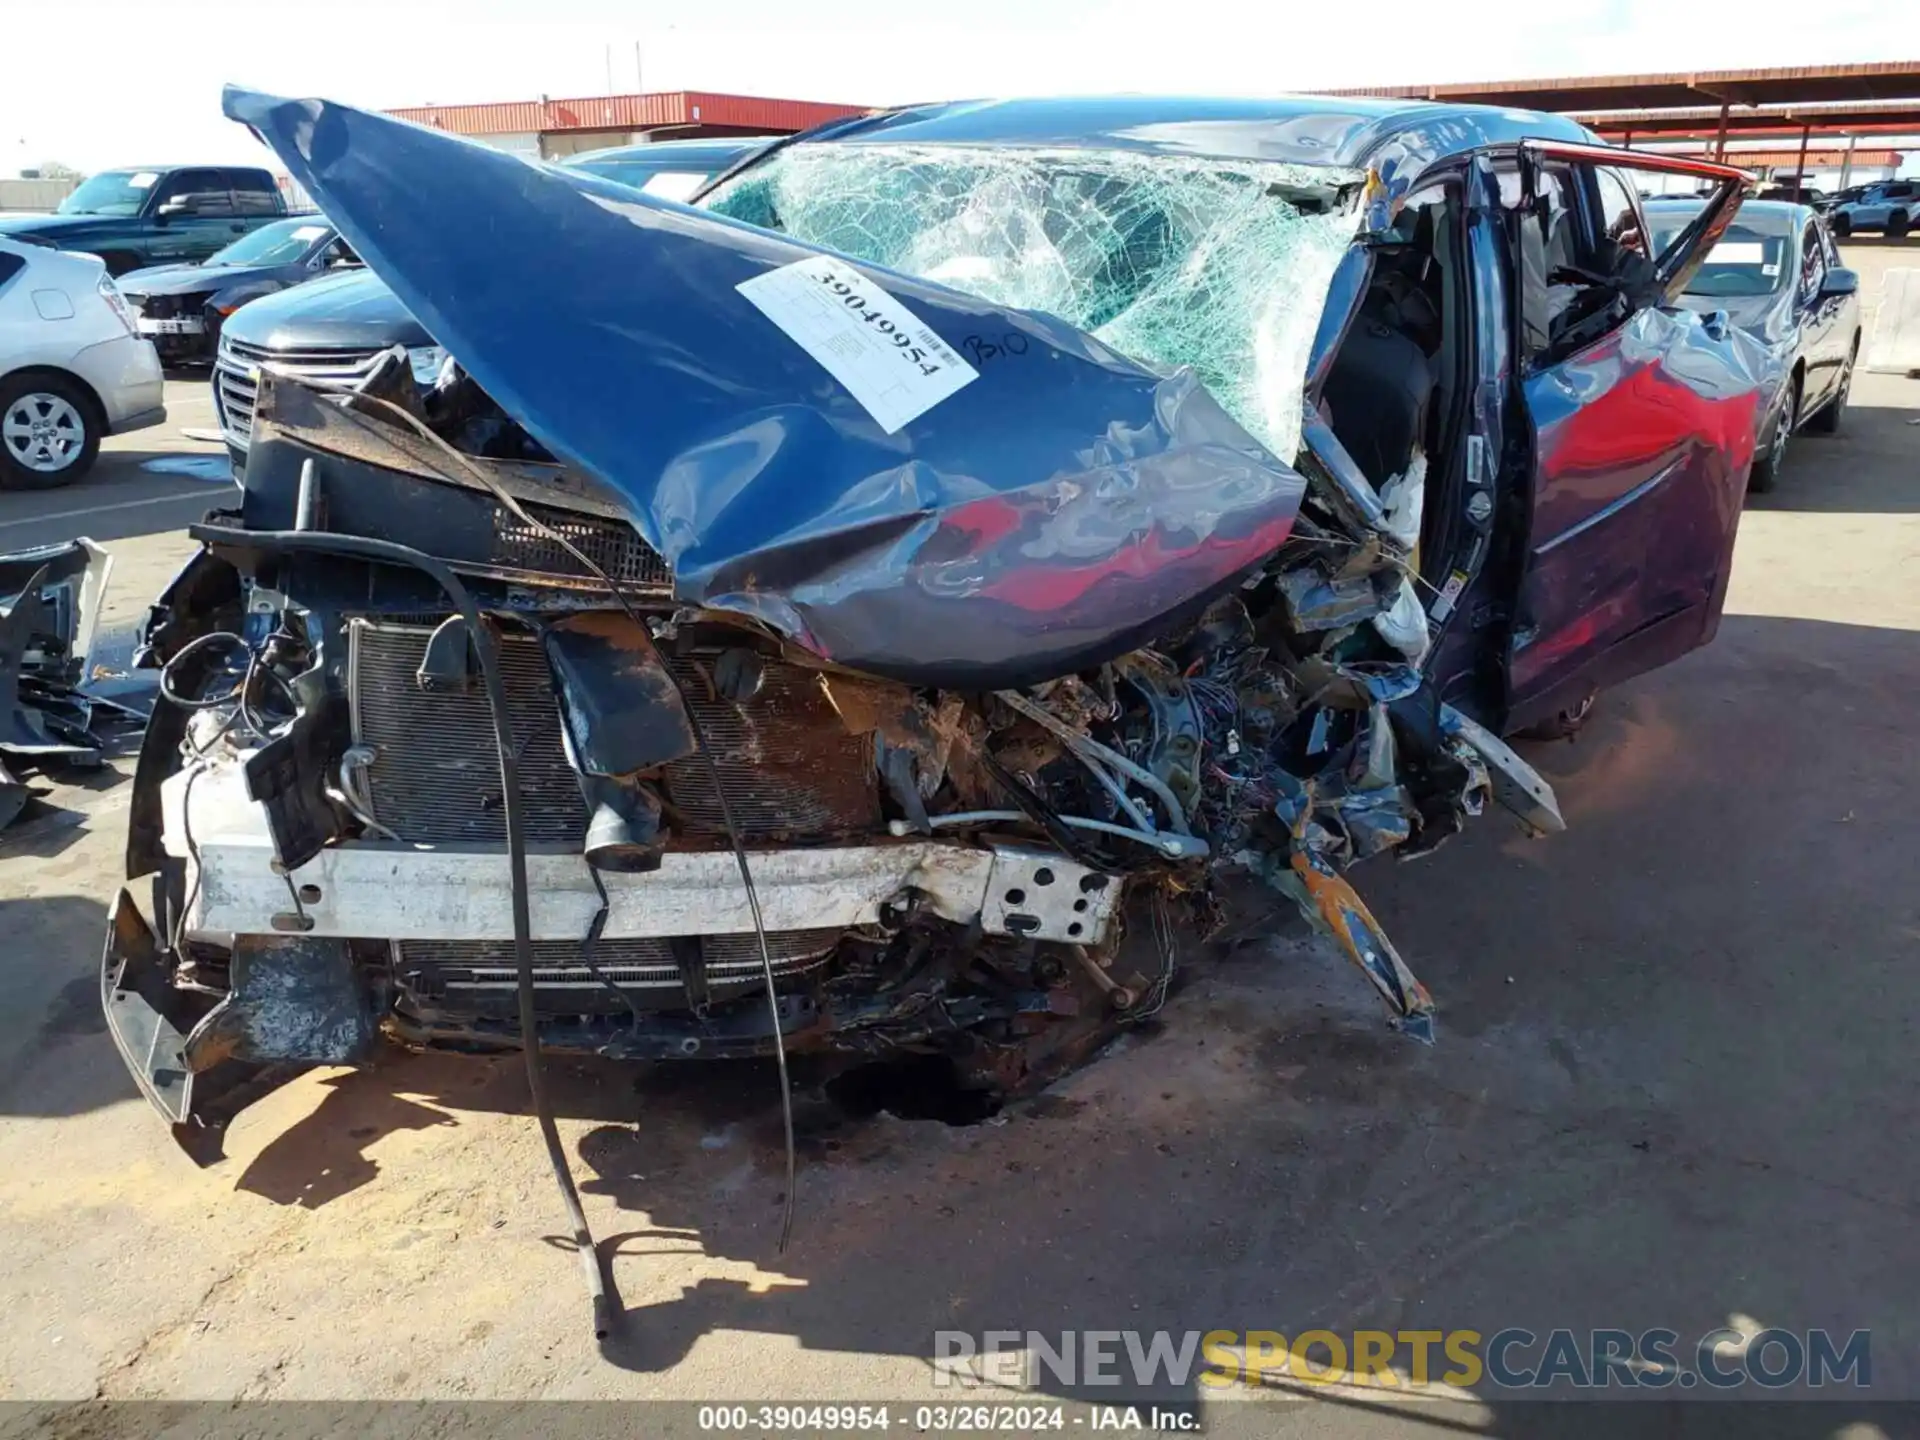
(143, 84)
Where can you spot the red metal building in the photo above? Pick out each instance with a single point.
(551, 128)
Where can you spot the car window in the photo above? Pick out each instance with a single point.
(10, 266)
(1619, 216)
(1548, 249)
(1813, 266)
(277, 244)
(254, 193)
(197, 192)
(1833, 246)
(112, 192)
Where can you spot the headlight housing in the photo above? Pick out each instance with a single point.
(427, 361)
(117, 303)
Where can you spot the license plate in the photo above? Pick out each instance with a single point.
(186, 325)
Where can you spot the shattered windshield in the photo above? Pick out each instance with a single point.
(1220, 266)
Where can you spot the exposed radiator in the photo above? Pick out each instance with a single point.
(435, 779)
(788, 766)
(478, 976)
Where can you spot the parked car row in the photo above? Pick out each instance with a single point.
(155, 215)
(73, 367)
(192, 246)
(1777, 274)
(334, 331)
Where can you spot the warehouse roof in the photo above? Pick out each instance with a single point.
(1794, 85)
(1879, 117)
(655, 111)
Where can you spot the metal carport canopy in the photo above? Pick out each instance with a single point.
(1794, 85)
(1899, 117)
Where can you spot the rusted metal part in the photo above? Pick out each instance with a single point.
(333, 423)
(787, 763)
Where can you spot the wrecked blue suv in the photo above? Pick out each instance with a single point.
(871, 613)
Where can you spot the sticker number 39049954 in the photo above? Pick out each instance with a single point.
(886, 356)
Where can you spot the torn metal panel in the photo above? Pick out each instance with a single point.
(1331, 905)
(50, 600)
(622, 710)
(1043, 517)
(1516, 785)
(292, 998)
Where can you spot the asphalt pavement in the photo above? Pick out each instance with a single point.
(1674, 1087)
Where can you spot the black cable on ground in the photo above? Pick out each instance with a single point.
(513, 505)
(388, 553)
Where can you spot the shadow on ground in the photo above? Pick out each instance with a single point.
(56, 1058)
(1844, 473)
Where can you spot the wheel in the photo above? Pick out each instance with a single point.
(1841, 227)
(1766, 465)
(1827, 422)
(49, 434)
(1564, 726)
(1897, 224)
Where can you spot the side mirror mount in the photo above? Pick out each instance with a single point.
(177, 205)
(1840, 281)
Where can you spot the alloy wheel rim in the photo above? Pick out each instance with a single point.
(43, 432)
(1778, 452)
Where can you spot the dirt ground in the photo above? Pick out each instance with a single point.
(1674, 1084)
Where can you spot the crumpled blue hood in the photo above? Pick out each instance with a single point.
(800, 435)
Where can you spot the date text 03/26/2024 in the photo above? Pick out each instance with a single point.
(1039, 1417)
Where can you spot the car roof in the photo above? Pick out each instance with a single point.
(1293, 129)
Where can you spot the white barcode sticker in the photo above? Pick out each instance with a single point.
(886, 356)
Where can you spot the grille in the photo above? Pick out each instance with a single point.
(168, 307)
(236, 384)
(480, 974)
(787, 765)
(613, 545)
